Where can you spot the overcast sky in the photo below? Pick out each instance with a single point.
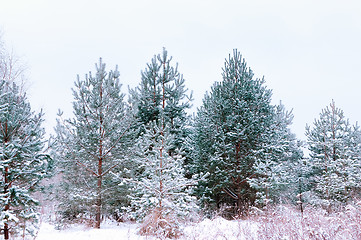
(308, 51)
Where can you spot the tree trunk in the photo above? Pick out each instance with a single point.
(7, 207)
(239, 206)
(98, 203)
(99, 185)
(6, 231)
(100, 163)
(162, 147)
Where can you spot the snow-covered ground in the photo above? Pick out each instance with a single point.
(79, 232)
(281, 222)
(108, 230)
(218, 228)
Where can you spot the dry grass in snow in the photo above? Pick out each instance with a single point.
(288, 223)
(282, 222)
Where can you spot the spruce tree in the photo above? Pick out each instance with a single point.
(23, 163)
(334, 156)
(92, 145)
(230, 130)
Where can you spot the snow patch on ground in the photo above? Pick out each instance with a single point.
(108, 231)
(218, 228)
(280, 223)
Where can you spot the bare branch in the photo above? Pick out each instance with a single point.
(230, 193)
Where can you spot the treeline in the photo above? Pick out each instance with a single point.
(142, 157)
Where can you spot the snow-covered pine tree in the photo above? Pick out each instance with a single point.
(354, 153)
(92, 145)
(334, 156)
(162, 194)
(277, 176)
(161, 191)
(23, 163)
(162, 78)
(231, 128)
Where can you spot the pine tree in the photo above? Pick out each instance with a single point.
(161, 191)
(159, 79)
(277, 176)
(334, 156)
(162, 194)
(93, 145)
(231, 128)
(23, 163)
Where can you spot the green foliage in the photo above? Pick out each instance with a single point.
(334, 147)
(93, 145)
(160, 190)
(231, 128)
(161, 183)
(277, 171)
(161, 78)
(23, 163)
(243, 142)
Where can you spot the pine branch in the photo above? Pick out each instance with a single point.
(77, 161)
(105, 172)
(183, 186)
(141, 183)
(86, 168)
(28, 136)
(230, 193)
(117, 141)
(78, 142)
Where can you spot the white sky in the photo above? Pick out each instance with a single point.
(309, 51)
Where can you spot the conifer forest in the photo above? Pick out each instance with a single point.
(140, 156)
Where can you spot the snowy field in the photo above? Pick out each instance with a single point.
(218, 228)
(108, 230)
(280, 223)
